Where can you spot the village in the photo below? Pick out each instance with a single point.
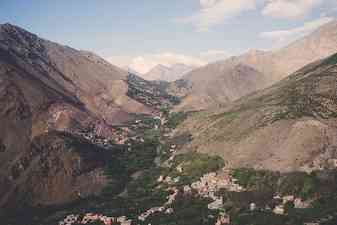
(207, 187)
(91, 217)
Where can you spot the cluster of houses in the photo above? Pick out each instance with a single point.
(298, 203)
(165, 208)
(207, 187)
(91, 217)
(223, 219)
(211, 183)
(93, 138)
(120, 136)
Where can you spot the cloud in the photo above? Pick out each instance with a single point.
(290, 9)
(282, 37)
(214, 12)
(213, 55)
(214, 52)
(119, 60)
(145, 63)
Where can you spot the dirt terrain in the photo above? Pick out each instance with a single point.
(289, 126)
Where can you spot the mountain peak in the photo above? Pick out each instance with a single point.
(329, 25)
(167, 72)
(161, 66)
(8, 27)
(15, 35)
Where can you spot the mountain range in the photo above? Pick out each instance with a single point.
(217, 83)
(289, 126)
(168, 73)
(80, 135)
(50, 93)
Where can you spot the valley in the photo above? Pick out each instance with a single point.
(85, 142)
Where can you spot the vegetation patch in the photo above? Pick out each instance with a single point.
(187, 210)
(194, 165)
(175, 118)
(255, 179)
(299, 184)
(332, 60)
(143, 192)
(262, 218)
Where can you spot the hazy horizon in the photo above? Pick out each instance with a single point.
(143, 34)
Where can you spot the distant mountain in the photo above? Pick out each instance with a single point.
(167, 73)
(272, 65)
(289, 126)
(48, 94)
(131, 71)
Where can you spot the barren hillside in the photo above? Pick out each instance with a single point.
(209, 85)
(289, 126)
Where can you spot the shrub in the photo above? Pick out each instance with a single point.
(175, 119)
(256, 179)
(299, 184)
(195, 165)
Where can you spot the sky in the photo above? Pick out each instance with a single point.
(143, 33)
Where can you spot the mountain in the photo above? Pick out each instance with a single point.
(167, 73)
(49, 95)
(288, 126)
(237, 81)
(272, 65)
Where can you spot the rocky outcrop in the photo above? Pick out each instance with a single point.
(56, 168)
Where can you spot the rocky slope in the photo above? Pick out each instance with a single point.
(237, 81)
(49, 94)
(272, 65)
(289, 126)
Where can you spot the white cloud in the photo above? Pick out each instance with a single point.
(290, 9)
(119, 60)
(214, 12)
(213, 55)
(282, 37)
(214, 52)
(145, 63)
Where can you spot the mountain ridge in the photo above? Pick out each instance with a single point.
(58, 102)
(167, 73)
(288, 126)
(274, 65)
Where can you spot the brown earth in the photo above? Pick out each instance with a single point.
(47, 93)
(289, 126)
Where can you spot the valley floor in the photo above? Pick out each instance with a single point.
(152, 184)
